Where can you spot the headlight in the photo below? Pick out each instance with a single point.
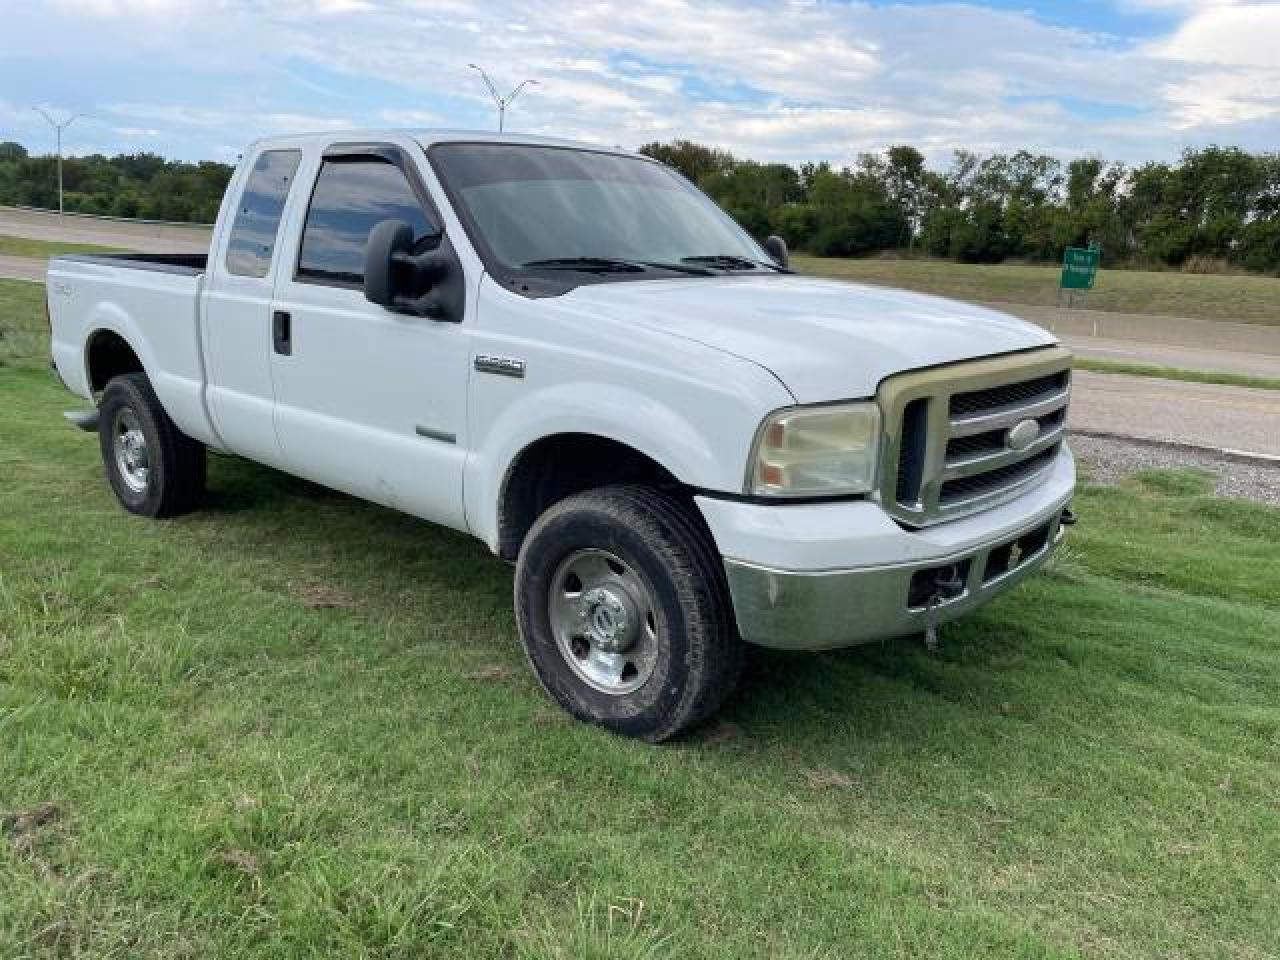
(816, 451)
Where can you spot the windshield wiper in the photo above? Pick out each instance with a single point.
(731, 261)
(615, 265)
(679, 268)
(587, 265)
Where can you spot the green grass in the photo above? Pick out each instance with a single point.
(41, 249)
(1175, 373)
(24, 333)
(1245, 299)
(1089, 767)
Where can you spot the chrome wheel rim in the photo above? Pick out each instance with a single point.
(603, 618)
(133, 460)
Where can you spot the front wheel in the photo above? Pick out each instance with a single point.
(154, 468)
(625, 613)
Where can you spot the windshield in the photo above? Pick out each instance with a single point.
(550, 207)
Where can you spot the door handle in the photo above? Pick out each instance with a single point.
(282, 332)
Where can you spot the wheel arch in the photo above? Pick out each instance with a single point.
(553, 467)
(107, 354)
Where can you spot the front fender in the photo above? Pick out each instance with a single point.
(691, 408)
(617, 413)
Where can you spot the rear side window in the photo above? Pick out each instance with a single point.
(351, 198)
(253, 234)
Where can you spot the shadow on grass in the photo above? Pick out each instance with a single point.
(871, 687)
(242, 486)
(378, 553)
(381, 555)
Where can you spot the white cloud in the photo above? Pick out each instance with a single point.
(199, 118)
(1237, 48)
(1236, 35)
(409, 118)
(122, 8)
(1177, 6)
(799, 79)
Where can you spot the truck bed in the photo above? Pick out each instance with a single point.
(150, 301)
(188, 263)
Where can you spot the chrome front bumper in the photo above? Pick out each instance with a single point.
(838, 608)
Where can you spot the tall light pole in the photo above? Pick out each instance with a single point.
(59, 127)
(502, 102)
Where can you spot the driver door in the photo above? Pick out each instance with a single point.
(367, 401)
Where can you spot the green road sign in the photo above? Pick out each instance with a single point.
(1079, 268)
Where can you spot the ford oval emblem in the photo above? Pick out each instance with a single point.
(1022, 434)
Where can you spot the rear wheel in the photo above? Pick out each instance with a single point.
(624, 611)
(154, 468)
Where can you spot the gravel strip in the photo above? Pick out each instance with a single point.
(1108, 460)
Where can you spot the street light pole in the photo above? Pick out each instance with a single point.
(501, 101)
(58, 128)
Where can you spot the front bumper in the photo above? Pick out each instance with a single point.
(883, 588)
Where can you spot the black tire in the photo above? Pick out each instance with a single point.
(659, 537)
(175, 469)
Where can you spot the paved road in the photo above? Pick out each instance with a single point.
(1210, 415)
(1167, 341)
(1205, 414)
(126, 234)
(1129, 351)
(1152, 328)
(1247, 349)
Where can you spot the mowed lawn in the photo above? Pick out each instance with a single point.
(41, 249)
(1244, 299)
(298, 725)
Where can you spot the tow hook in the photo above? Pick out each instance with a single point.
(1068, 517)
(947, 585)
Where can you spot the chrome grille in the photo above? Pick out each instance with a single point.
(959, 489)
(948, 452)
(977, 401)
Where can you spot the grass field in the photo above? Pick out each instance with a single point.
(40, 249)
(1245, 299)
(1176, 373)
(299, 725)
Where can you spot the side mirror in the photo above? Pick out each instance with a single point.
(390, 244)
(428, 284)
(777, 248)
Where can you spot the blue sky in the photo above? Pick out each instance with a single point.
(1133, 80)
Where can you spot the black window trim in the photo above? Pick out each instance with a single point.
(284, 208)
(364, 152)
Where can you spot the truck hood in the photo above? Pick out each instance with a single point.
(824, 339)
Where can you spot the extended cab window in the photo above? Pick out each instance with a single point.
(253, 234)
(351, 197)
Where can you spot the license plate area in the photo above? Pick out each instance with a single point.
(1008, 557)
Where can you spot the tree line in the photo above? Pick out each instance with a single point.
(1217, 204)
(143, 185)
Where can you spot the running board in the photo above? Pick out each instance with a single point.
(86, 420)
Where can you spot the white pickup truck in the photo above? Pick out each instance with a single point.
(573, 354)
